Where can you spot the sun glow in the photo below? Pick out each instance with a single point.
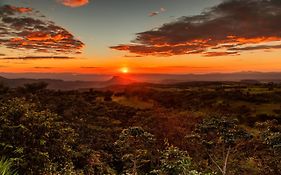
(124, 70)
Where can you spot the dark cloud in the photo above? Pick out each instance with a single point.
(232, 26)
(151, 14)
(1, 54)
(43, 67)
(217, 54)
(36, 57)
(89, 67)
(259, 47)
(184, 67)
(25, 29)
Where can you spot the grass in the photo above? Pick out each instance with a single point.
(261, 90)
(134, 102)
(6, 167)
(267, 108)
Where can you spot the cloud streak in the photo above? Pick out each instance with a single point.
(38, 67)
(37, 58)
(226, 29)
(90, 67)
(25, 29)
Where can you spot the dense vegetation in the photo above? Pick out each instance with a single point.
(183, 129)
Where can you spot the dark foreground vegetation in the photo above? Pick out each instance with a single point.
(183, 129)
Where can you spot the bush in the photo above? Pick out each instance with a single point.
(32, 138)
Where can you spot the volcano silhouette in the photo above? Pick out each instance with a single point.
(118, 80)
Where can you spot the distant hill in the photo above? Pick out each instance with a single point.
(250, 81)
(238, 76)
(67, 85)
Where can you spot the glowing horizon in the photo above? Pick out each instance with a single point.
(149, 37)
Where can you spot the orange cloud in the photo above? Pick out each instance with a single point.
(74, 3)
(32, 32)
(41, 36)
(11, 10)
(22, 9)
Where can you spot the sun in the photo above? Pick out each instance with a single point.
(124, 70)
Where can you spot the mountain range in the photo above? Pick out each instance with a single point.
(83, 81)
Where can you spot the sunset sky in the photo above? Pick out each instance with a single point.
(140, 36)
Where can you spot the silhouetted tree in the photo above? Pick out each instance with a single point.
(35, 87)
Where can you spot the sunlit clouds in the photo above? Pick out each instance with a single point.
(226, 29)
(26, 30)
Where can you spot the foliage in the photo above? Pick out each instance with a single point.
(3, 89)
(53, 132)
(176, 162)
(219, 130)
(271, 134)
(134, 145)
(33, 139)
(97, 163)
